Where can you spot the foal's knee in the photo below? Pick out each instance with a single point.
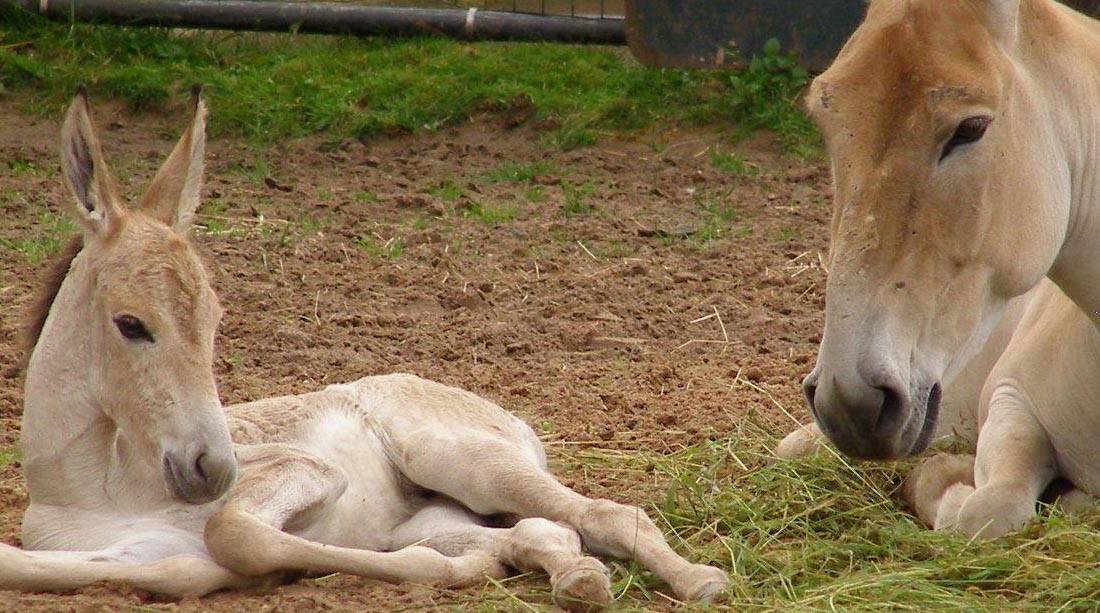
(232, 539)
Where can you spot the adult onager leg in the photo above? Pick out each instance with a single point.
(962, 138)
(136, 472)
(1034, 407)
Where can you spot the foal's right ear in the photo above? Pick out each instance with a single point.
(85, 170)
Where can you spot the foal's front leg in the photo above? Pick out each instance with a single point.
(60, 571)
(285, 486)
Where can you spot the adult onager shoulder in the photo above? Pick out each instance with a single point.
(136, 473)
(964, 142)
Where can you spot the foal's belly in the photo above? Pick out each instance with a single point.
(376, 499)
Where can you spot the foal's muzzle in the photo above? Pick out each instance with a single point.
(198, 474)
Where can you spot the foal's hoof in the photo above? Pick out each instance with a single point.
(704, 585)
(586, 587)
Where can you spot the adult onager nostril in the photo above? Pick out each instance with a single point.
(864, 419)
(809, 390)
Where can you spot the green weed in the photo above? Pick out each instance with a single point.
(37, 249)
(447, 191)
(716, 221)
(765, 95)
(376, 246)
(490, 215)
(576, 199)
(518, 172)
(732, 163)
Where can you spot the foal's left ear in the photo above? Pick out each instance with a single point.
(176, 191)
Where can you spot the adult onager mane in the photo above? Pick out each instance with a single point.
(965, 143)
(136, 473)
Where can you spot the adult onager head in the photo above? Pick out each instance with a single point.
(136, 474)
(960, 169)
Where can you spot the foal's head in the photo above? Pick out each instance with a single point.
(138, 313)
(947, 205)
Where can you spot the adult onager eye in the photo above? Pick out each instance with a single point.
(970, 130)
(131, 328)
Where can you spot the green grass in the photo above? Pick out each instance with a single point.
(489, 214)
(267, 87)
(378, 247)
(716, 220)
(56, 230)
(518, 172)
(731, 162)
(577, 199)
(821, 534)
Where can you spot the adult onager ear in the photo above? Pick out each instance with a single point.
(176, 191)
(85, 170)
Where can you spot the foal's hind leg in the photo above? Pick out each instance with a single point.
(492, 475)
(579, 582)
(286, 487)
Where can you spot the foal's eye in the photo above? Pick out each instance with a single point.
(970, 130)
(131, 327)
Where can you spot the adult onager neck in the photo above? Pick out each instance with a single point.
(136, 473)
(964, 139)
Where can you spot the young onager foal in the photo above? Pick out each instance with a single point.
(136, 473)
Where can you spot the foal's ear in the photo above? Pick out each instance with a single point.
(175, 193)
(85, 170)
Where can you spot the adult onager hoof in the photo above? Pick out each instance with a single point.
(803, 441)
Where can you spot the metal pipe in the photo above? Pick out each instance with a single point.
(331, 18)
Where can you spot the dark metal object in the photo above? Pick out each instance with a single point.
(332, 18)
(717, 33)
(1088, 7)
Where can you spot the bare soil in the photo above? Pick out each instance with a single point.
(616, 326)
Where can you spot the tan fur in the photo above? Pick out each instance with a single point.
(136, 473)
(941, 242)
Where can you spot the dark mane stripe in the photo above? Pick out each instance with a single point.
(39, 308)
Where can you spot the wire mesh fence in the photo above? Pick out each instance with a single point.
(575, 8)
(592, 9)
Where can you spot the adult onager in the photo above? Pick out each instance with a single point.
(136, 473)
(964, 142)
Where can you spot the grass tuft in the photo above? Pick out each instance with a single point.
(825, 534)
(269, 87)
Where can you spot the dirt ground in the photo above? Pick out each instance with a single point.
(618, 325)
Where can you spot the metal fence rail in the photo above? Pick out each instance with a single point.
(470, 23)
(598, 9)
